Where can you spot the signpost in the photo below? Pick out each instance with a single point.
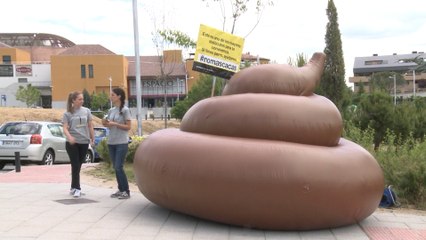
(218, 53)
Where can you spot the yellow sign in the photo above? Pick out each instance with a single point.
(218, 53)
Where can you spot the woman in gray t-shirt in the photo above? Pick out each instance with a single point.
(78, 129)
(119, 123)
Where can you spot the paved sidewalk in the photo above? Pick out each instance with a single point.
(35, 204)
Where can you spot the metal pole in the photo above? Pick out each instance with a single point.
(394, 89)
(110, 91)
(186, 86)
(165, 104)
(138, 66)
(178, 88)
(213, 85)
(414, 82)
(17, 161)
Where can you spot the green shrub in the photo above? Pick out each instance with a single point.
(403, 164)
(99, 114)
(363, 138)
(404, 167)
(133, 146)
(103, 151)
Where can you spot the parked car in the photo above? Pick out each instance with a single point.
(100, 134)
(36, 141)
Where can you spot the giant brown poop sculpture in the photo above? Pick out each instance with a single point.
(266, 154)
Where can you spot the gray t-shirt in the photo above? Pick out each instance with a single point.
(78, 124)
(117, 135)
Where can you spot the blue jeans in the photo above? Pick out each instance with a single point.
(117, 154)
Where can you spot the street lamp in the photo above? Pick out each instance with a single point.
(186, 84)
(110, 90)
(414, 82)
(179, 88)
(394, 89)
(165, 103)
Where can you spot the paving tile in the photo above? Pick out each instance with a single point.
(32, 210)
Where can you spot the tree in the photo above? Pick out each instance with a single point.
(100, 101)
(200, 90)
(384, 81)
(162, 38)
(376, 112)
(332, 83)
(300, 60)
(239, 8)
(421, 63)
(177, 37)
(419, 114)
(29, 95)
(87, 99)
(404, 121)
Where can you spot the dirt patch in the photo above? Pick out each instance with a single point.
(55, 115)
(90, 179)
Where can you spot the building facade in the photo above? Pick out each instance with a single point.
(86, 67)
(56, 66)
(415, 82)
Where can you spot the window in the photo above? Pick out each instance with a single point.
(91, 71)
(373, 62)
(6, 70)
(21, 128)
(56, 130)
(83, 71)
(99, 132)
(22, 80)
(7, 59)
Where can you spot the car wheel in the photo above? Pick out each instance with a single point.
(48, 158)
(89, 157)
(2, 164)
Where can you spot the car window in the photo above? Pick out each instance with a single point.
(56, 130)
(100, 132)
(20, 128)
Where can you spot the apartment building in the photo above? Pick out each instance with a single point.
(415, 84)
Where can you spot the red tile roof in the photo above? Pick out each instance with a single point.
(150, 66)
(87, 49)
(249, 57)
(3, 45)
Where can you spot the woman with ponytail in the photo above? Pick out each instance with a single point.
(118, 120)
(78, 129)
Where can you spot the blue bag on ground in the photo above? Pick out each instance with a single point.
(389, 198)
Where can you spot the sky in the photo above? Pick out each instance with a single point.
(286, 29)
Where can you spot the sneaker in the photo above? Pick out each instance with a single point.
(77, 193)
(124, 195)
(72, 191)
(116, 194)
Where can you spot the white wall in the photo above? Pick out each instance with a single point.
(9, 85)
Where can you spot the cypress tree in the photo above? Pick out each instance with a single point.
(87, 99)
(332, 83)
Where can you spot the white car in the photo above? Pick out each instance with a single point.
(36, 141)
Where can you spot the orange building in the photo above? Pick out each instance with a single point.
(90, 67)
